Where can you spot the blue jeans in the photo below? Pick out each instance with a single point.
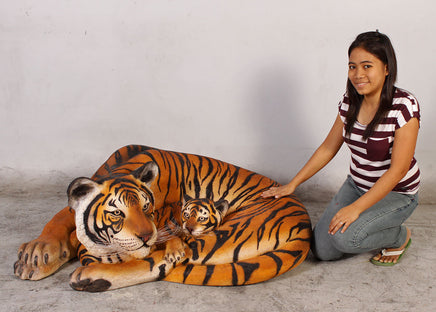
(378, 227)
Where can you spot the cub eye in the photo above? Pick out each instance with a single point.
(186, 215)
(201, 218)
(146, 206)
(117, 213)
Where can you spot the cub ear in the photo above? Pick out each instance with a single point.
(222, 206)
(146, 173)
(79, 189)
(186, 198)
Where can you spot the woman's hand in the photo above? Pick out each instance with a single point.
(343, 219)
(279, 191)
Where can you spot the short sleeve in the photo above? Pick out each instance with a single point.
(406, 107)
(343, 106)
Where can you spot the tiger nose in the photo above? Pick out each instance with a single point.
(145, 236)
(190, 224)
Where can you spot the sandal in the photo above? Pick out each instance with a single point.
(386, 253)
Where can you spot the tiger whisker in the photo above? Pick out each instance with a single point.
(165, 233)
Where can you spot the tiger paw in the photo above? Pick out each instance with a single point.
(175, 251)
(81, 279)
(40, 258)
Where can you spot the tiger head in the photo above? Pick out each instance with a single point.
(202, 215)
(114, 217)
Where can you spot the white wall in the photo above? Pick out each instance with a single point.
(254, 83)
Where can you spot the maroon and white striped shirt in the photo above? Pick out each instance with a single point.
(371, 158)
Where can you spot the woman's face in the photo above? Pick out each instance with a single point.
(366, 72)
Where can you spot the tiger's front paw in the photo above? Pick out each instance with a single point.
(40, 258)
(81, 279)
(175, 251)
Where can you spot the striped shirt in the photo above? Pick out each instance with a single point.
(371, 158)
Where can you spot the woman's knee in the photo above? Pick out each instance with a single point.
(324, 254)
(345, 242)
(322, 247)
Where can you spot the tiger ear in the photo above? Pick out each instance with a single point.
(186, 198)
(79, 189)
(222, 206)
(146, 173)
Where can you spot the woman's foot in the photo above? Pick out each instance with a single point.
(391, 256)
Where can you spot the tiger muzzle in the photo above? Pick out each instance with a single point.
(145, 237)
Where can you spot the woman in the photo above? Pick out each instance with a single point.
(380, 124)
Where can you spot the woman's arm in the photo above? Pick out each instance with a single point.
(320, 158)
(402, 154)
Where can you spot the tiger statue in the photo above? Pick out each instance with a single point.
(202, 215)
(119, 226)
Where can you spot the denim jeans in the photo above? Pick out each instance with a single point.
(380, 226)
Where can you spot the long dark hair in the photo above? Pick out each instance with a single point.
(380, 46)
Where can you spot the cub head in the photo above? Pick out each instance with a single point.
(202, 215)
(114, 217)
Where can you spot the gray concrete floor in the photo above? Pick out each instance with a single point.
(351, 284)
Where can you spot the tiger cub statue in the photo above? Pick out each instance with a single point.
(119, 225)
(202, 215)
(192, 217)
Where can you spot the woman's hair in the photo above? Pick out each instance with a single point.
(380, 46)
